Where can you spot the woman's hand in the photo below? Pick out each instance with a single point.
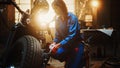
(54, 47)
(51, 46)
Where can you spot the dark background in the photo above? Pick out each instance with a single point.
(109, 13)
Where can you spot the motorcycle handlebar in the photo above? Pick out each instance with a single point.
(17, 7)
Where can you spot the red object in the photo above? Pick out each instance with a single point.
(76, 49)
(54, 50)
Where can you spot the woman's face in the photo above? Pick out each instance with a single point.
(58, 10)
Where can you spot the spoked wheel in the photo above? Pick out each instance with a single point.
(27, 53)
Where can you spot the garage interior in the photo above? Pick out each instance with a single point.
(99, 25)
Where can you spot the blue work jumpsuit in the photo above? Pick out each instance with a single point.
(67, 33)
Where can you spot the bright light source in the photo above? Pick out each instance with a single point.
(43, 24)
(42, 17)
(12, 67)
(45, 18)
(52, 24)
(95, 3)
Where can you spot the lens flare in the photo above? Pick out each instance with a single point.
(45, 17)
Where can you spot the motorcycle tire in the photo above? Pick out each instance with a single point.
(26, 53)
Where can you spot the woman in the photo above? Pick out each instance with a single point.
(67, 44)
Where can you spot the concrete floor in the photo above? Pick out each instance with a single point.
(56, 64)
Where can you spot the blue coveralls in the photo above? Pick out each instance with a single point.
(67, 33)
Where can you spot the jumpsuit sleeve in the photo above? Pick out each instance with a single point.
(73, 30)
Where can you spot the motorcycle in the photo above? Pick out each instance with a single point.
(23, 48)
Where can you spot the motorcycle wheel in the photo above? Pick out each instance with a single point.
(27, 53)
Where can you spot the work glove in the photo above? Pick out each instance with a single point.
(54, 47)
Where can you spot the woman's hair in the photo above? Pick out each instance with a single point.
(61, 4)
